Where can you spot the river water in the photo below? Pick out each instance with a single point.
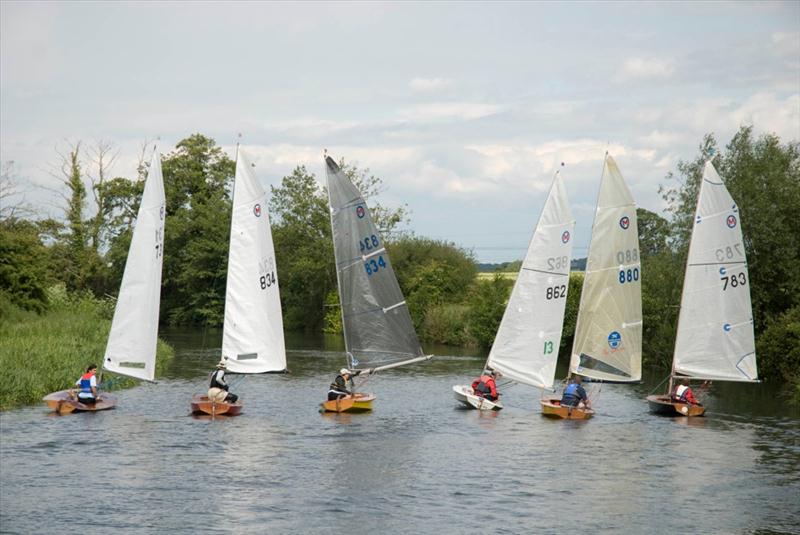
(416, 464)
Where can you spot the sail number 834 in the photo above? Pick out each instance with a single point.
(372, 265)
(267, 280)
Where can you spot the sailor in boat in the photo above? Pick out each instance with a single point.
(88, 386)
(683, 394)
(575, 395)
(218, 388)
(339, 387)
(485, 386)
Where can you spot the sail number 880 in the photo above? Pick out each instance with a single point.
(628, 275)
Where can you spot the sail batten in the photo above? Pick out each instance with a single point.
(715, 339)
(609, 324)
(377, 325)
(525, 349)
(132, 341)
(252, 336)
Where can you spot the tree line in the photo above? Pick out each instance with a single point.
(86, 250)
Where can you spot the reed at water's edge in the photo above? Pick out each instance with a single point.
(43, 353)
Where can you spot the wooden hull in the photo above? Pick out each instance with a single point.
(553, 409)
(665, 406)
(202, 405)
(358, 402)
(465, 395)
(65, 402)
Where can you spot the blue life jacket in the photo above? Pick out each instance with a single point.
(572, 396)
(571, 390)
(86, 384)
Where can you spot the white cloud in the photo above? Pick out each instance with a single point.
(464, 111)
(645, 69)
(429, 84)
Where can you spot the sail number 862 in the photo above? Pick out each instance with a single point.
(556, 292)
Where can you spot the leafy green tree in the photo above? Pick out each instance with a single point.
(763, 177)
(487, 302)
(301, 231)
(23, 265)
(196, 182)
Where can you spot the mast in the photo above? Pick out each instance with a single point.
(685, 271)
(588, 256)
(348, 355)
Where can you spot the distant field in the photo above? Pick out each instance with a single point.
(490, 276)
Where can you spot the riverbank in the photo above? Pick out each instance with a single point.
(43, 353)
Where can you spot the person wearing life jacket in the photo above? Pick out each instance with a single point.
(683, 394)
(88, 386)
(218, 388)
(485, 386)
(339, 387)
(574, 394)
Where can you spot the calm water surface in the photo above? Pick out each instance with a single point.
(416, 464)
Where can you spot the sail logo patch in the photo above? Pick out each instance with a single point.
(731, 221)
(257, 210)
(614, 340)
(360, 212)
(624, 222)
(565, 237)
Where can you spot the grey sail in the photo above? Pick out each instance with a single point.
(377, 326)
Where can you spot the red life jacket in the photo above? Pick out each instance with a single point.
(485, 386)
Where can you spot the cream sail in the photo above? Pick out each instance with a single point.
(252, 337)
(526, 346)
(608, 334)
(715, 328)
(131, 348)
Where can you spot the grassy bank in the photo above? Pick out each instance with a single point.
(42, 353)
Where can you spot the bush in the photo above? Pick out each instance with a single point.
(778, 348)
(447, 324)
(487, 302)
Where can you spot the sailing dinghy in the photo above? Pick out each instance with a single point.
(608, 333)
(252, 333)
(131, 346)
(525, 349)
(377, 327)
(715, 340)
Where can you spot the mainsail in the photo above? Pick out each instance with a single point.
(526, 346)
(608, 335)
(131, 347)
(377, 325)
(252, 336)
(715, 328)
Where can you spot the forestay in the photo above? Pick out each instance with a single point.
(608, 334)
(131, 347)
(526, 346)
(377, 325)
(715, 328)
(252, 336)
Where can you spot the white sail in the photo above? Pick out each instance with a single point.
(526, 346)
(131, 347)
(715, 328)
(608, 334)
(252, 335)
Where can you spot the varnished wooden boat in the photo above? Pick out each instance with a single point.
(665, 406)
(358, 402)
(465, 395)
(202, 405)
(66, 402)
(552, 408)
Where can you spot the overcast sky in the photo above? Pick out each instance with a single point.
(465, 110)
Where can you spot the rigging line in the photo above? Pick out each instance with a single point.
(661, 383)
(717, 263)
(546, 272)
